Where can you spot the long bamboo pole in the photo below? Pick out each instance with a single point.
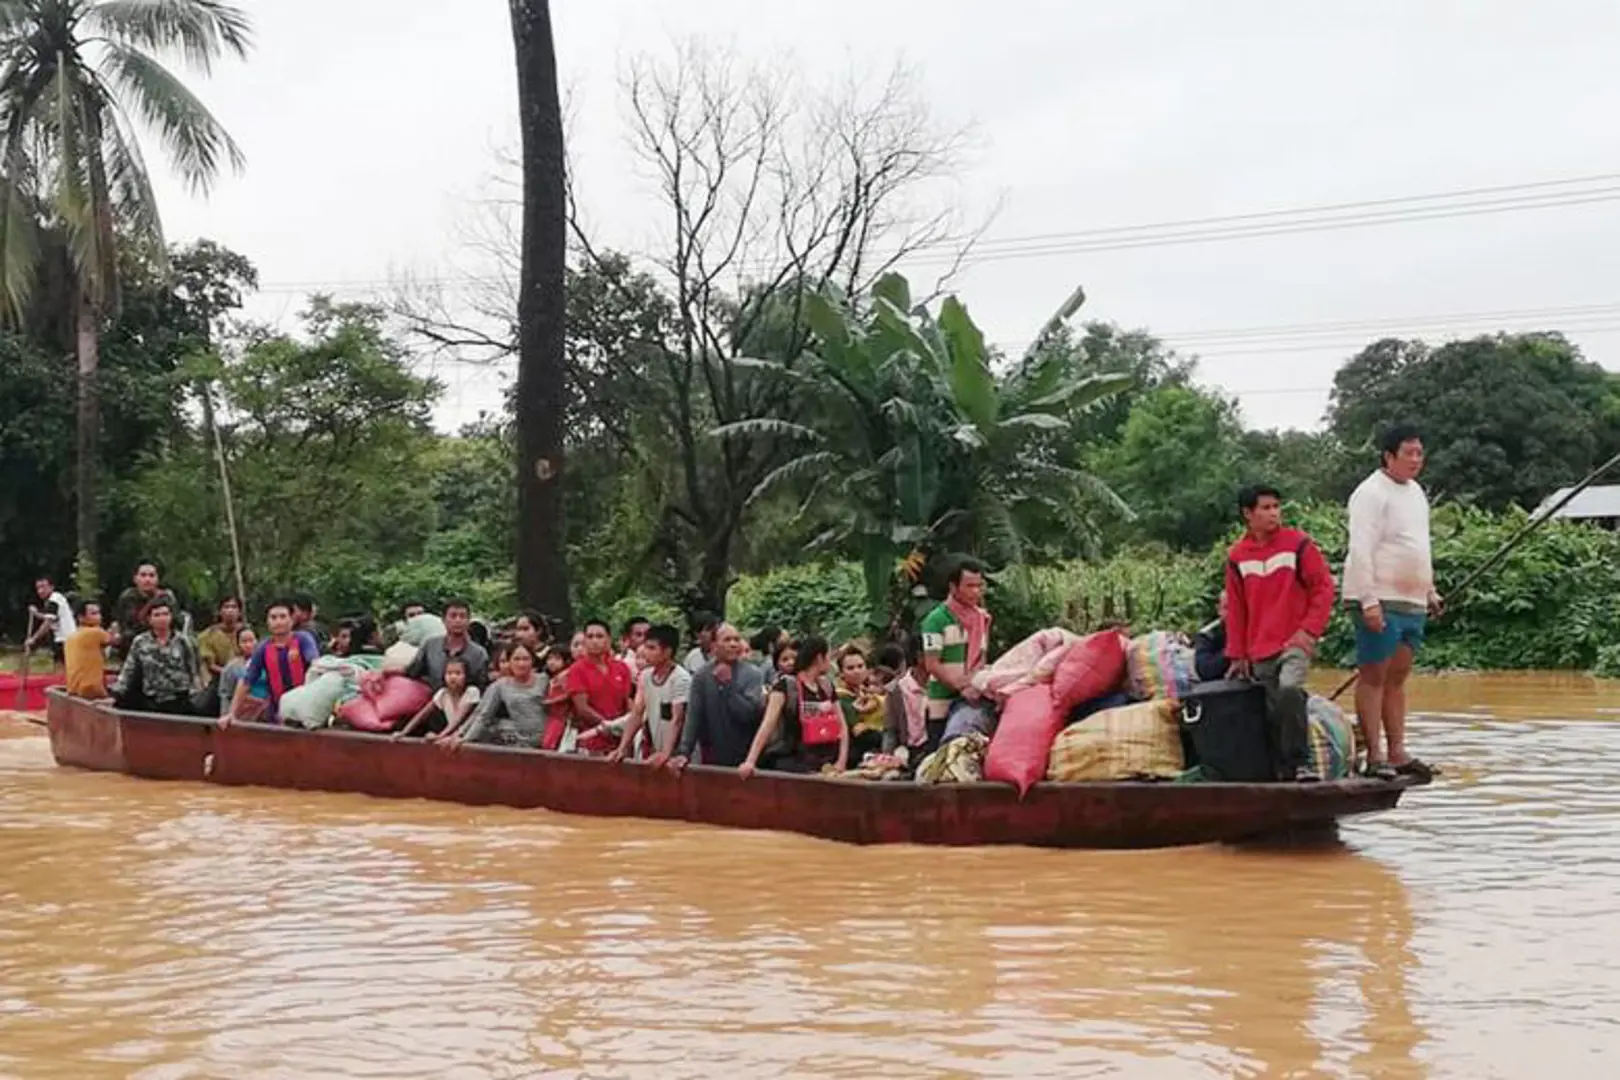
(225, 490)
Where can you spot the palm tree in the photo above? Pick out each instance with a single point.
(542, 568)
(75, 78)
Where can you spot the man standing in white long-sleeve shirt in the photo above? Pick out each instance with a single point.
(1389, 586)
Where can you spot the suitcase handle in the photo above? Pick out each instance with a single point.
(1192, 712)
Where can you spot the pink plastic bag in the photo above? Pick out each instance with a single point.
(382, 705)
(1023, 740)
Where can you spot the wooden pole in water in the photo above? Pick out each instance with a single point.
(1536, 521)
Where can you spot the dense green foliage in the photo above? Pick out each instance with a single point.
(911, 443)
(1553, 603)
(341, 486)
(1511, 417)
(1178, 460)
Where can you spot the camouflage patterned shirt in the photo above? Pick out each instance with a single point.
(160, 672)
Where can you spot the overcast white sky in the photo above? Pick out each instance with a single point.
(368, 124)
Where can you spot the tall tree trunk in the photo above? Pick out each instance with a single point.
(542, 571)
(88, 340)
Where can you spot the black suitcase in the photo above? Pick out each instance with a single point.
(1224, 731)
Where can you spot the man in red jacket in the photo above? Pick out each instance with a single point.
(1279, 597)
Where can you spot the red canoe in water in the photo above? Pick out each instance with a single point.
(1106, 815)
(26, 695)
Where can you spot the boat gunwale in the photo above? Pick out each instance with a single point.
(1318, 789)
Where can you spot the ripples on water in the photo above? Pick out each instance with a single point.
(166, 931)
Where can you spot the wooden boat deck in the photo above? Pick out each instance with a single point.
(1101, 815)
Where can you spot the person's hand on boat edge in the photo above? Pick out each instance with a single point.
(616, 756)
(1240, 669)
(677, 763)
(226, 721)
(746, 769)
(659, 760)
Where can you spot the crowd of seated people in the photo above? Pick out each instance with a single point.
(772, 701)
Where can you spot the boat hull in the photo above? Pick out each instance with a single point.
(1104, 815)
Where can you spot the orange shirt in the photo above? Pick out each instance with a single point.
(86, 673)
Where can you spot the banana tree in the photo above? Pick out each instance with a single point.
(907, 429)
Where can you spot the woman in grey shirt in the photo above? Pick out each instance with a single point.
(513, 711)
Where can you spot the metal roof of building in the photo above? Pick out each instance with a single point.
(1601, 501)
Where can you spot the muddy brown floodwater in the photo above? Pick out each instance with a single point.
(168, 931)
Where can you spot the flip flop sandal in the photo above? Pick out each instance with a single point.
(1418, 768)
(1380, 770)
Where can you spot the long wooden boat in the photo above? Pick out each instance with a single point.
(1105, 815)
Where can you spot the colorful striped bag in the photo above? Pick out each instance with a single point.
(1160, 665)
(1332, 736)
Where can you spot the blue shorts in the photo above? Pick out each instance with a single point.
(1400, 628)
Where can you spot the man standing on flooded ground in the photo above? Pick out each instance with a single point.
(1278, 600)
(1389, 586)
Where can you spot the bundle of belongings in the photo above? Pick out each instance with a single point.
(365, 693)
(1108, 707)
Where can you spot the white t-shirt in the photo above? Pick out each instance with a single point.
(56, 604)
(696, 661)
(660, 701)
(469, 699)
(1388, 559)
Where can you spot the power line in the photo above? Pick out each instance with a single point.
(1281, 229)
(1580, 318)
(1467, 202)
(1323, 208)
(1340, 345)
(1568, 312)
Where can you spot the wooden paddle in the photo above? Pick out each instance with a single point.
(27, 662)
(1536, 521)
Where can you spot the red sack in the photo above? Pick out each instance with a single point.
(1019, 750)
(399, 698)
(1093, 667)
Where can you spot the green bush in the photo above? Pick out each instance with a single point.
(1553, 603)
(627, 607)
(827, 598)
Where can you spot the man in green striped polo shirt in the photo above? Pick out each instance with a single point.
(956, 644)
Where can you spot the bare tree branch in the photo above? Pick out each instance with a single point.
(772, 186)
